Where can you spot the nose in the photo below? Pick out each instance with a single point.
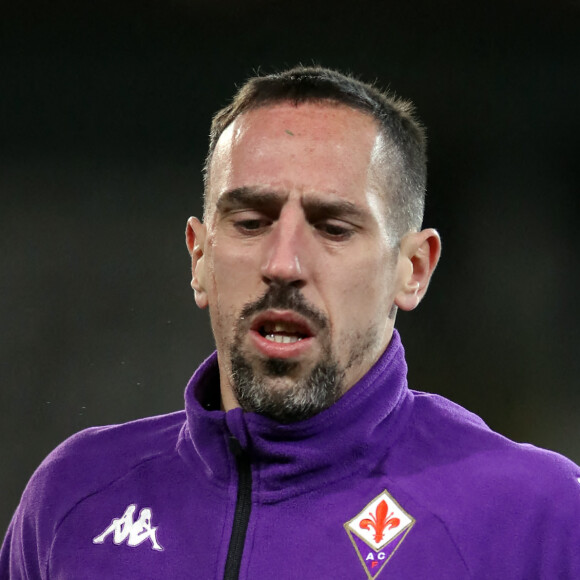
(285, 254)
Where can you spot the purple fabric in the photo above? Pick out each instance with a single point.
(459, 500)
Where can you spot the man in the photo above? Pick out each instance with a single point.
(301, 452)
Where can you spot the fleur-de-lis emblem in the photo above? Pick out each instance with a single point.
(381, 521)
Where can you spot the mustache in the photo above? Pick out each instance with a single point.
(285, 297)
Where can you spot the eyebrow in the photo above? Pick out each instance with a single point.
(314, 205)
(328, 207)
(249, 196)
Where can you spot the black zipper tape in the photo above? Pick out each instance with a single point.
(242, 513)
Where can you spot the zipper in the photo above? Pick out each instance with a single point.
(242, 513)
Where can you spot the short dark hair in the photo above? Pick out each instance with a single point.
(403, 134)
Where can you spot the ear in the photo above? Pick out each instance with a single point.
(418, 255)
(195, 234)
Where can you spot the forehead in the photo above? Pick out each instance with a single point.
(311, 147)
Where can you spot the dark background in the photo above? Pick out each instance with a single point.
(104, 112)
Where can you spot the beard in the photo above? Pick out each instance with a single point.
(274, 387)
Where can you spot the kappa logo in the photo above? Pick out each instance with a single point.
(377, 531)
(134, 532)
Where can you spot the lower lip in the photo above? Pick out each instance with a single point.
(280, 349)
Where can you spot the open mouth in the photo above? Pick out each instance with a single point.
(282, 332)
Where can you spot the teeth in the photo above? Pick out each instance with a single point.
(282, 338)
(282, 332)
(271, 327)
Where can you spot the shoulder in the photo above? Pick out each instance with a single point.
(445, 434)
(80, 467)
(523, 499)
(92, 459)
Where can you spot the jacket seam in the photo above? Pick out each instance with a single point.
(84, 498)
(447, 531)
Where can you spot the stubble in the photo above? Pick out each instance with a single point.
(275, 387)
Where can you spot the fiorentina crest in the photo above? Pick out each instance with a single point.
(377, 531)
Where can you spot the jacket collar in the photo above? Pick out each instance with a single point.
(288, 459)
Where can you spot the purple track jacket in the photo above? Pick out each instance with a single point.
(387, 483)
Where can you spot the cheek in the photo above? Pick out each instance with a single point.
(369, 291)
(232, 274)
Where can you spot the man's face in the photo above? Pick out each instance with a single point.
(294, 259)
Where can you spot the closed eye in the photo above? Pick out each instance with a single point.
(335, 230)
(252, 226)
